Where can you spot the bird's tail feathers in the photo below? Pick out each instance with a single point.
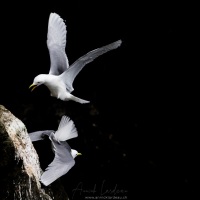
(64, 120)
(66, 130)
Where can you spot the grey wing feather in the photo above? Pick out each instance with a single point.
(69, 75)
(61, 164)
(55, 170)
(66, 145)
(56, 42)
(39, 135)
(58, 59)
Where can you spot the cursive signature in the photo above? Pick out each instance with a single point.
(100, 190)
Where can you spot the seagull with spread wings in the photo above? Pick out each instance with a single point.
(61, 75)
(64, 155)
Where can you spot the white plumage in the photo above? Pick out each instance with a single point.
(61, 76)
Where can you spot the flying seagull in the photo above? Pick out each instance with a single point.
(64, 155)
(61, 75)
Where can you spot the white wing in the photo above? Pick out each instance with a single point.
(61, 164)
(69, 75)
(66, 130)
(56, 42)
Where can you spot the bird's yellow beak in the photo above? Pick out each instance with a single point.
(33, 86)
(79, 154)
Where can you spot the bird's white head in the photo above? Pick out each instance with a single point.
(75, 153)
(38, 80)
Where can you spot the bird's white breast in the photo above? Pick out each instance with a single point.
(56, 86)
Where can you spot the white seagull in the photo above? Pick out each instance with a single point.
(64, 155)
(61, 76)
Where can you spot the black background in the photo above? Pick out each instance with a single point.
(100, 124)
(144, 95)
